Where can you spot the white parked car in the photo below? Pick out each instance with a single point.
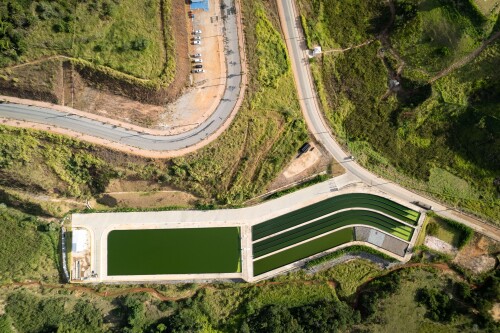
(196, 38)
(198, 71)
(198, 60)
(197, 32)
(196, 42)
(197, 55)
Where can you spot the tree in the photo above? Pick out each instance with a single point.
(274, 319)
(134, 312)
(326, 317)
(185, 320)
(432, 229)
(440, 306)
(139, 44)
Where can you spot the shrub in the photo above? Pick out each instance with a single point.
(139, 44)
(440, 306)
(432, 229)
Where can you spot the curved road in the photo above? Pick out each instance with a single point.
(300, 64)
(142, 140)
(297, 48)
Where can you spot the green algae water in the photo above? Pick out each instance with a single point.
(174, 251)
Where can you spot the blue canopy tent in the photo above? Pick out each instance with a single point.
(199, 4)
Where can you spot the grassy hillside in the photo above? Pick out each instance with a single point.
(265, 135)
(126, 36)
(29, 247)
(371, 301)
(437, 131)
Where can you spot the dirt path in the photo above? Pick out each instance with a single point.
(36, 61)
(88, 290)
(349, 48)
(152, 291)
(157, 294)
(465, 60)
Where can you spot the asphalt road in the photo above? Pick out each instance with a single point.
(291, 25)
(142, 140)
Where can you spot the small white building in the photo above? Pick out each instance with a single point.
(317, 50)
(79, 241)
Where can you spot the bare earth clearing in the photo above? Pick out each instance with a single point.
(476, 255)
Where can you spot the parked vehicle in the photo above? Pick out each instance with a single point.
(198, 66)
(305, 147)
(197, 55)
(197, 32)
(423, 205)
(196, 42)
(198, 60)
(198, 71)
(196, 38)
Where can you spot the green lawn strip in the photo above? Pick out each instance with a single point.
(331, 205)
(331, 223)
(302, 251)
(173, 251)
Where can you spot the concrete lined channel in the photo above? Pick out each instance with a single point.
(169, 253)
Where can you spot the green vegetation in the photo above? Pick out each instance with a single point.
(355, 200)
(124, 36)
(29, 247)
(302, 251)
(432, 34)
(350, 275)
(446, 303)
(173, 251)
(354, 249)
(367, 300)
(271, 51)
(322, 316)
(341, 24)
(75, 170)
(434, 133)
(450, 231)
(265, 134)
(317, 179)
(330, 223)
(264, 137)
(32, 313)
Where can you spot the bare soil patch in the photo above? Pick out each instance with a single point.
(122, 193)
(124, 185)
(147, 199)
(437, 244)
(305, 166)
(488, 7)
(495, 311)
(104, 103)
(303, 162)
(477, 255)
(206, 89)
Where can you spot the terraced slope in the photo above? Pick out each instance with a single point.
(354, 200)
(329, 223)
